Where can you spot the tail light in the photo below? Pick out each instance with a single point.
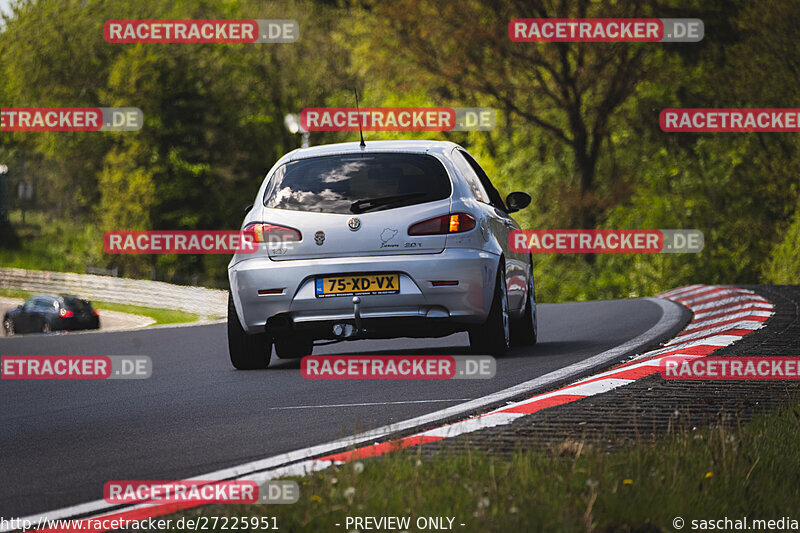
(271, 233)
(268, 292)
(94, 312)
(66, 313)
(452, 223)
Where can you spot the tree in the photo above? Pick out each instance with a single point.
(570, 91)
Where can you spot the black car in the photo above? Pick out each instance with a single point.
(42, 314)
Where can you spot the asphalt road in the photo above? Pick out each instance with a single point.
(61, 440)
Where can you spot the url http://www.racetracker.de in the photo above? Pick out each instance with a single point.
(198, 523)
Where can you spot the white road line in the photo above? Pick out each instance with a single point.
(724, 318)
(711, 295)
(716, 340)
(472, 424)
(756, 306)
(684, 291)
(579, 389)
(750, 325)
(726, 301)
(368, 404)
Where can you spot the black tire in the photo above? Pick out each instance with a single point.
(293, 347)
(45, 327)
(248, 352)
(525, 330)
(494, 336)
(8, 327)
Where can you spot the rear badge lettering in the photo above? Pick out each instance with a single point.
(387, 235)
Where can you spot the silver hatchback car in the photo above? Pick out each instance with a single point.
(392, 239)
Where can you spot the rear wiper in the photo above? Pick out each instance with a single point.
(367, 204)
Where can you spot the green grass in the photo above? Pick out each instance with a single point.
(15, 293)
(705, 474)
(161, 316)
(61, 245)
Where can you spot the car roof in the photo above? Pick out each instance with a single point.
(409, 147)
(58, 298)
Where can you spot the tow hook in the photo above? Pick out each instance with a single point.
(345, 330)
(357, 312)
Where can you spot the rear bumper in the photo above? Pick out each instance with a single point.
(419, 309)
(66, 324)
(70, 324)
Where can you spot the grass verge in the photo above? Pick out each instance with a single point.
(749, 471)
(161, 316)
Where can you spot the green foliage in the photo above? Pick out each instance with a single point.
(214, 125)
(128, 182)
(213, 117)
(61, 244)
(784, 264)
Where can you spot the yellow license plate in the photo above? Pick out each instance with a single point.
(360, 284)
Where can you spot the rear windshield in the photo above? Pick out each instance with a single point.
(357, 183)
(77, 305)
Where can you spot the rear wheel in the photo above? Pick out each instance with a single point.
(524, 331)
(494, 336)
(247, 352)
(8, 327)
(293, 347)
(45, 327)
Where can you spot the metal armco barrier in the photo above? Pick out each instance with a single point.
(199, 300)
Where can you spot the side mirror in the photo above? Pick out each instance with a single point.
(517, 201)
(248, 208)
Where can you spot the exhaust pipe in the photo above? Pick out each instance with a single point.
(344, 330)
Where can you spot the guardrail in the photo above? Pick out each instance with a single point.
(199, 300)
